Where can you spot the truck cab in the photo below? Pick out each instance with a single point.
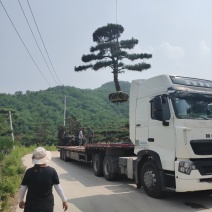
(171, 128)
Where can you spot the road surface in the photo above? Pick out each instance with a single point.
(88, 193)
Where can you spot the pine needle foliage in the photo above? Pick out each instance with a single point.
(110, 52)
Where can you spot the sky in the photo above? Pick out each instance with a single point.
(178, 34)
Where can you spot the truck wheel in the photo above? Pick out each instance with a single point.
(98, 165)
(151, 181)
(107, 169)
(66, 159)
(61, 154)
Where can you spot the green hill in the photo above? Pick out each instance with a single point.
(38, 114)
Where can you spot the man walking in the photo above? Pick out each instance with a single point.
(80, 137)
(90, 136)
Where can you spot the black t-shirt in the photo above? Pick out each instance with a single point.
(39, 182)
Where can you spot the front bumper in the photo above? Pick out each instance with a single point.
(193, 182)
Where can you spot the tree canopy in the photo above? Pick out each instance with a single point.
(112, 52)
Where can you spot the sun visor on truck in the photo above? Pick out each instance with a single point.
(182, 90)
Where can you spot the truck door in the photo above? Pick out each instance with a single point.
(161, 133)
(141, 125)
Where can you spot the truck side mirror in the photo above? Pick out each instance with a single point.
(157, 110)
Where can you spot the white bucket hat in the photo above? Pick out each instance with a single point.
(41, 156)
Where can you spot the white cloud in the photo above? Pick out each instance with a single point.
(204, 49)
(172, 52)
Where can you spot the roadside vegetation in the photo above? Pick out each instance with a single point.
(11, 165)
(38, 115)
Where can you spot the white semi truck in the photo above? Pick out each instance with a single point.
(171, 129)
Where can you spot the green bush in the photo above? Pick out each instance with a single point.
(11, 175)
(21, 170)
(4, 202)
(1, 156)
(8, 184)
(6, 145)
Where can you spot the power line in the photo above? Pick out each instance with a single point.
(36, 40)
(24, 43)
(42, 41)
(116, 11)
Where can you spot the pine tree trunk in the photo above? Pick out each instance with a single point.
(116, 81)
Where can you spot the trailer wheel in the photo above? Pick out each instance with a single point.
(98, 165)
(66, 159)
(151, 181)
(107, 169)
(63, 155)
(60, 154)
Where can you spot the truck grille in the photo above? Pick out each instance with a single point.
(201, 147)
(203, 165)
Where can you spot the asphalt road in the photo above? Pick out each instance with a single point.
(88, 193)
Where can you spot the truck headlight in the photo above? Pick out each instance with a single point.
(186, 167)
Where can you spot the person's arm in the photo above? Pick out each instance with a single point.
(22, 192)
(61, 194)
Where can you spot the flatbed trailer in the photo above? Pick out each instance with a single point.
(103, 156)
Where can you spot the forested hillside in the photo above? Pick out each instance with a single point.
(39, 114)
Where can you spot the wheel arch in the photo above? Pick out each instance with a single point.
(142, 157)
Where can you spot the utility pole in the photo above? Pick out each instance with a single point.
(65, 111)
(11, 125)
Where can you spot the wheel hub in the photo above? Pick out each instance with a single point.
(149, 179)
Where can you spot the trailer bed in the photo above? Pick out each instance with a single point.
(88, 147)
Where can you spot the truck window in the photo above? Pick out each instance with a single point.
(165, 108)
(192, 106)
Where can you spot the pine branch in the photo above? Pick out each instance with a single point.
(138, 56)
(107, 33)
(102, 64)
(82, 68)
(138, 67)
(128, 44)
(104, 46)
(90, 57)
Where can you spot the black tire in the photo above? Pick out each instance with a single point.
(108, 168)
(66, 159)
(98, 165)
(151, 181)
(60, 154)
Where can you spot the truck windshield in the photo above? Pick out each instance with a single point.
(192, 106)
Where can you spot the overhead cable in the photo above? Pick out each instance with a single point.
(36, 41)
(42, 40)
(24, 44)
(116, 11)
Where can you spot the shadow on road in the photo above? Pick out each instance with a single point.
(124, 189)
